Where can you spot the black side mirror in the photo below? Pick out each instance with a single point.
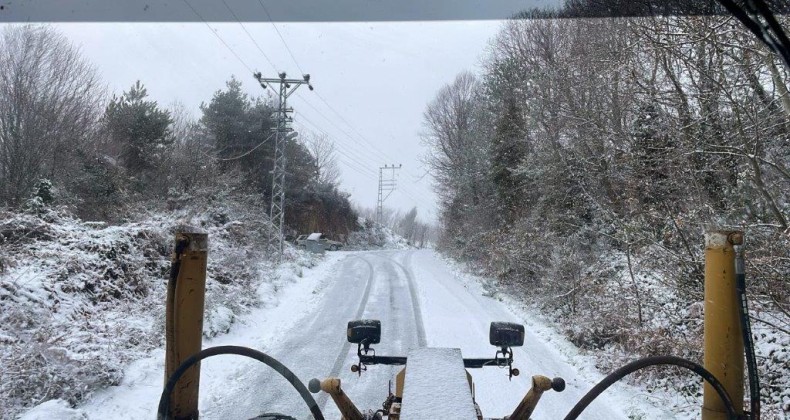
(364, 331)
(506, 334)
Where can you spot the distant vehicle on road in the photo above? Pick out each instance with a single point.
(301, 241)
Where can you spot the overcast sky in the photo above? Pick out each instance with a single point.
(377, 76)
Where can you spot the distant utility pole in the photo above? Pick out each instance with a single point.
(386, 185)
(285, 87)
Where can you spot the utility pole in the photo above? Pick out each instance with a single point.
(285, 87)
(386, 185)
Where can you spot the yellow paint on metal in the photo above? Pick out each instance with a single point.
(723, 341)
(347, 408)
(400, 380)
(186, 297)
(540, 384)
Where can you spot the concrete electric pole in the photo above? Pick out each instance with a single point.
(285, 87)
(386, 185)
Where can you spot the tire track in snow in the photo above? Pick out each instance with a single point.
(415, 302)
(341, 357)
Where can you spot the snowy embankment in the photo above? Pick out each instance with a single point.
(669, 328)
(288, 298)
(296, 317)
(81, 300)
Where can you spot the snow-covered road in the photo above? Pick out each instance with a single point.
(419, 300)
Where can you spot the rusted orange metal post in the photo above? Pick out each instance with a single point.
(723, 340)
(186, 293)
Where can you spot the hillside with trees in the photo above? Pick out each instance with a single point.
(106, 156)
(92, 188)
(581, 167)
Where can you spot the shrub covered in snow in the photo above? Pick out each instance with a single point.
(619, 305)
(82, 299)
(373, 236)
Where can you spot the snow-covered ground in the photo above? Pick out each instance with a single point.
(419, 298)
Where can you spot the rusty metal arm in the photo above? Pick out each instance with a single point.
(332, 387)
(540, 384)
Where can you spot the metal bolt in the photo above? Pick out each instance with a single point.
(735, 238)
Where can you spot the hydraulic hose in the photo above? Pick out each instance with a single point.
(164, 399)
(647, 362)
(746, 331)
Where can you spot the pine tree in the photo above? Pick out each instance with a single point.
(508, 151)
(240, 127)
(139, 129)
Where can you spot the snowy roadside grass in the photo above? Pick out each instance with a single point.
(75, 298)
(291, 293)
(81, 300)
(678, 334)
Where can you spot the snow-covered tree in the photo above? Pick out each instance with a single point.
(49, 105)
(139, 130)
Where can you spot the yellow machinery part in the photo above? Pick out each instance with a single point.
(723, 339)
(184, 319)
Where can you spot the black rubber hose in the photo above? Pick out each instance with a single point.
(647, 362)
(748, 341)
(770, 19)
(164, 400)
(782, 46)
(756, 28)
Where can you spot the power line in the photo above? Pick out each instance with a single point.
(281, 37)
(384, 155)
(331, 108)
(285, 43)
(356, 166)
(351, 150)
(340, 151)
(374, 148)
(360, 155)
(362, 170)
(406, 190)
(293, 58)
(250, 36)
(249, 151)
(355, 169)
(213, 31)
(416, 200)
(306, 102)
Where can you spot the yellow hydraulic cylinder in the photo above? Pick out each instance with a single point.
(186, 293)
(723, 341)
(347, 408)
(540, 384)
